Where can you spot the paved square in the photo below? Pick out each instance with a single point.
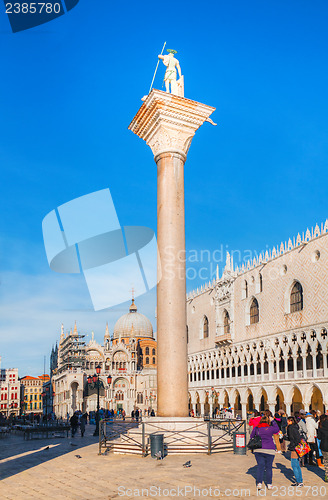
(29, 471)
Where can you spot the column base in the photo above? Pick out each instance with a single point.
(181, 435)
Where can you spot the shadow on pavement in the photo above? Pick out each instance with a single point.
(35, 451)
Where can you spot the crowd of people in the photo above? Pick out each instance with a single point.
(280, 433)
(79, 420)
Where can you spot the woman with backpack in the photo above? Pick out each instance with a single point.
(266, 429)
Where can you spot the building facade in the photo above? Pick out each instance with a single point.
(257, 336)
(129, 357)
(31, 393)
(9, 392)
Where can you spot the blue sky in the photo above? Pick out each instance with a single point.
(68, 92)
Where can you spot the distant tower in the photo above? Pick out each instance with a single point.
(107, 338)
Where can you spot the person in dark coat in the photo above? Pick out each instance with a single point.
(294, 438)
(74, 421)
(323, 436)
(83, 422)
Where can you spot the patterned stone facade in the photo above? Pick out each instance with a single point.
(258, 335)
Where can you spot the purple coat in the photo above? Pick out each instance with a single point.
(266, 434)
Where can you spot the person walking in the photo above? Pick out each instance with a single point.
(300, 419)
(74, 421)
(283, 428)
(323, 436)
(83, 421)
(266, 429)
(311, 429)
(294, 438)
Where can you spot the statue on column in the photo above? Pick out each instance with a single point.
(170, 78)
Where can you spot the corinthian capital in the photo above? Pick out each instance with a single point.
(167, 123)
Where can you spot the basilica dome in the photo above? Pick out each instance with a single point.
(133, 324)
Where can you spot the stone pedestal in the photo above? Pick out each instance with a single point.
(167, 123)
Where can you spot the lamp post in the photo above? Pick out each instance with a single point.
(109, 381)
(95, 382)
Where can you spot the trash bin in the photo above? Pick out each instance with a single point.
(239, 443)
(156, 445)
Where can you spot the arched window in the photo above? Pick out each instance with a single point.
(154, 361)
(260, 282)
(119, 396)
(205, 327)
(226, 322)
(147, 361)
(153, 352)
(296, 298)
(245, 289)
(147, 351)
(254, 312)
(139, 398)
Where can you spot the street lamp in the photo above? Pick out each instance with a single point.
(109, 381)
(95, 381)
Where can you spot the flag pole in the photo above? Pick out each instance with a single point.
(156, 69)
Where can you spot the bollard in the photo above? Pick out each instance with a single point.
(239, 443)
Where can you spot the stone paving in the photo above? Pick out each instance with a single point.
(29, 471)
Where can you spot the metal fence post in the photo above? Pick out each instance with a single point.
(143, 440)
(209, 444)
(100, 429)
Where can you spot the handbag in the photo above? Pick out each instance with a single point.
(255, 442)
(302, 448)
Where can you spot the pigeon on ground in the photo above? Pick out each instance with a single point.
(158, 455)
(47, 448)
(78, 456)
(187, 464)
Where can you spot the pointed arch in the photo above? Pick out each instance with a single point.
(204, 327)
(254, 312)
(226, 322)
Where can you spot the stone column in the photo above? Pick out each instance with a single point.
(244, 410)
(270, 361)
(272, 405)
(286, 365)
(307, 406)
(167, 123)
(295, 365)
(171, 290)
(288, 405)
(304, 365)
(257, 404)
(325, 371)
(262, 371)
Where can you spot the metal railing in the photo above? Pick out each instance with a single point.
(208, 436)
(111, 429)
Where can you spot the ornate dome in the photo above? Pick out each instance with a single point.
(133, 324)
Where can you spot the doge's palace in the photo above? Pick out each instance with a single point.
(257, 335)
